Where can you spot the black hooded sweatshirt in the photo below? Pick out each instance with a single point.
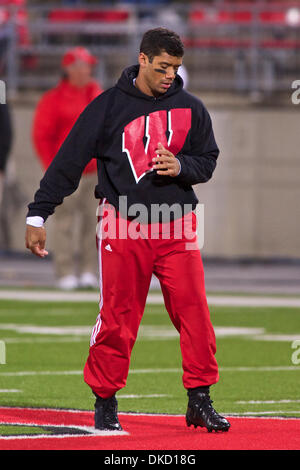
(121, 128)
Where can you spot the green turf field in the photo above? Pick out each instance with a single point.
(47, 345)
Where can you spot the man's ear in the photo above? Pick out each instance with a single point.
(143, 59)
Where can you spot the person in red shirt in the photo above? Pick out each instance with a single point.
(55, 115)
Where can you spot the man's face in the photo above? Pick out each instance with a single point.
(79, 73)
(160, 73)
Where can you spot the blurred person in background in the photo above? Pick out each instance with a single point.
(184, 75)
(6, 136)
(5, 142)
(56, 113)
(16, 10)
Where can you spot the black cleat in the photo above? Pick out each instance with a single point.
(106, 418)
(200, 412)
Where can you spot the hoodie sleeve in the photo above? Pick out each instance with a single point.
(199, 165)
(80, 146)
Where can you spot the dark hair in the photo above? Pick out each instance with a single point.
(155, 41)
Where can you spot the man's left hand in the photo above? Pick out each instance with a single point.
(166, 163)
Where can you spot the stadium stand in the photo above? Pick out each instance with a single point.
(230, 45)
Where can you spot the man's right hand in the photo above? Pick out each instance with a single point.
(35, 239)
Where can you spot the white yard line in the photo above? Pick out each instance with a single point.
(253, 413)
(155, 371)
(49, 296)
(54, 339)
(46, 330)
(145, 331)
(266, 402)
(28, 373)
(222, 300)
(154, 395)
(92, 433)
(277, 337)
(9, 390)
(260, 369)
(244, 301)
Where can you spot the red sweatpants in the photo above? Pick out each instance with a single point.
(126, 266)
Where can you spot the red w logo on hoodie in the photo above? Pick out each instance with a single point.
(141, 137)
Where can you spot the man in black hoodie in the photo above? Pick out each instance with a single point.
(152, 141)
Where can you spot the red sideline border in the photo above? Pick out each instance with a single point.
(146, 432)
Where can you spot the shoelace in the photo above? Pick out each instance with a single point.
(209, 402)
(205, 403)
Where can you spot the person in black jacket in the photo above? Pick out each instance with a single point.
(5, 142)
(153, 141)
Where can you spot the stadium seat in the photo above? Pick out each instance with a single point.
(219, 17)
(244, 16)
(215, 43)
(67, 15)
(273, 17)
(238, 16)
(71, 15)
(111, 16)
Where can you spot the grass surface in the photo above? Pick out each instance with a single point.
(46, 369)
(12, 430)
